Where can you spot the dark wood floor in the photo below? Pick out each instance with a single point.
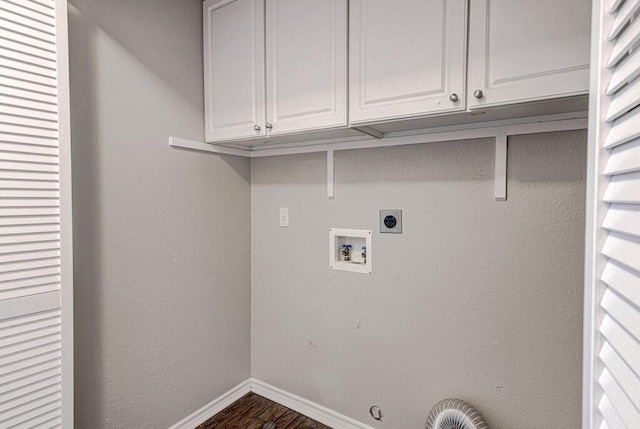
(255, 412)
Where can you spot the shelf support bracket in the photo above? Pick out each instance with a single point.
(501, 165)
(331, 187)
(369, 131)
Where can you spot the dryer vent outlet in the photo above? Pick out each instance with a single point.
(455, 414)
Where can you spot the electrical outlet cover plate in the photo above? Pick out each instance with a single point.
(284, 217)
(391, 221)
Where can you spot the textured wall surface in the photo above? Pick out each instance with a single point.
(477, 299)
(162, 286)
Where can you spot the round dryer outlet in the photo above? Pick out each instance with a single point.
(391, 221)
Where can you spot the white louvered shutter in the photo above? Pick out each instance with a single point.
(612, 391)
(36, 369)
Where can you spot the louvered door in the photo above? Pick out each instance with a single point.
(612, 382)
(36, 367)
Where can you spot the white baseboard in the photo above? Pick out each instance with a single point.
(303, 406)
(296, 403)
(213, 407)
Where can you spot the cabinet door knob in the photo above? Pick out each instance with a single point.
(257, 127)
(478, 94)
(453, 97)
(268, 126)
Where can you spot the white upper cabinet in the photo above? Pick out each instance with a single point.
(234, 69)
(524, 50)
(287, 71)
(306, 72)
(406, 58)
(274, 67)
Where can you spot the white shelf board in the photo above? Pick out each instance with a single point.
(500, 130)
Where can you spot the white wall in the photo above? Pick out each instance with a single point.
(162, 242)
(477, 299)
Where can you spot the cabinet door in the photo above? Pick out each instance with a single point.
(306, 65)
(406, 58)
(234, 69)
(523, 50)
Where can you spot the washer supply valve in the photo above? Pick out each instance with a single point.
(346, 252)
(364, 254)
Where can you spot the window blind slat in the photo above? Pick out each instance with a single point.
(29, 194)
(28, 95)
(622, 341)
(624, 249)
(623, 16)
(28, 113)
(614, 5)
(45, 3)
(624, 159)
(34, 45)
(624, 281)
(30, 247)
(29, 176)
(625, 72)
(33, 85)
(28, 140)
(29, 265)
(625, 100)
(29, 211)
(27, 17)
(625, 313)
(29, 220)
(29, 291)
(8, 279)
(32, 393)
(27, 62)
(610, 414)
(18, 130)
(46, 343)
(27, 104)
(27, 49)
(621, 372)
(42, 419)
(623, 188)
(621, 402)
(28, 166)
(43, 82)
(623, 218)
(34, 7)
(28, 67)
(29, 286)
(27, 370)
(27, 150)
(624, 129)
(30, 414)
(8, 24)
(624, 43)
(41, 378)
(26, 124)
(29, 256)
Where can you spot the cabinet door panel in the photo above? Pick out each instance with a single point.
(234, 68)
(523, 50)
(406, 58)
(306, 64)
